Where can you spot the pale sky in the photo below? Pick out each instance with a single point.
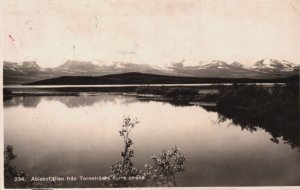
(152, 32)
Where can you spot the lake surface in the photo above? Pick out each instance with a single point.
(78, 135)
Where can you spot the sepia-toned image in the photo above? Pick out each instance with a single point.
(152, 93)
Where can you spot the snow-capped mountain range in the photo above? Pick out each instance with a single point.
(29, 71)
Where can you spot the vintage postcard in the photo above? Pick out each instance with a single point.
(152, 93)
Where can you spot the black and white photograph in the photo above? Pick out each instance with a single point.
(150, 93)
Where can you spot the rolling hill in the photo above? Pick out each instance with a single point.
(144, 78)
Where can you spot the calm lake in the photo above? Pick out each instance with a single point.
(78, 135)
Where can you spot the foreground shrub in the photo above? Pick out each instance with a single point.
(161, 173)
(10, 172)
(122, 171)
(165, 167)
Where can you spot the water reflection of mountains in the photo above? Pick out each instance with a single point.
(69, 101)
(29, 101)
(89, 100)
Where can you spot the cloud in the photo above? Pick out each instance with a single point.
(158, 32)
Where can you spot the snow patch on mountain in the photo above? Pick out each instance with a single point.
(273, 65)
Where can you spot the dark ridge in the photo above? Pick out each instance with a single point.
(145, 78)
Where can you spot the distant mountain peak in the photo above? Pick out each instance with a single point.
(259, 63)
(9, 63)
(78, 65)
(30, 64)
(217, 64)
(273, 65)
(178, 65)
(237, 64)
